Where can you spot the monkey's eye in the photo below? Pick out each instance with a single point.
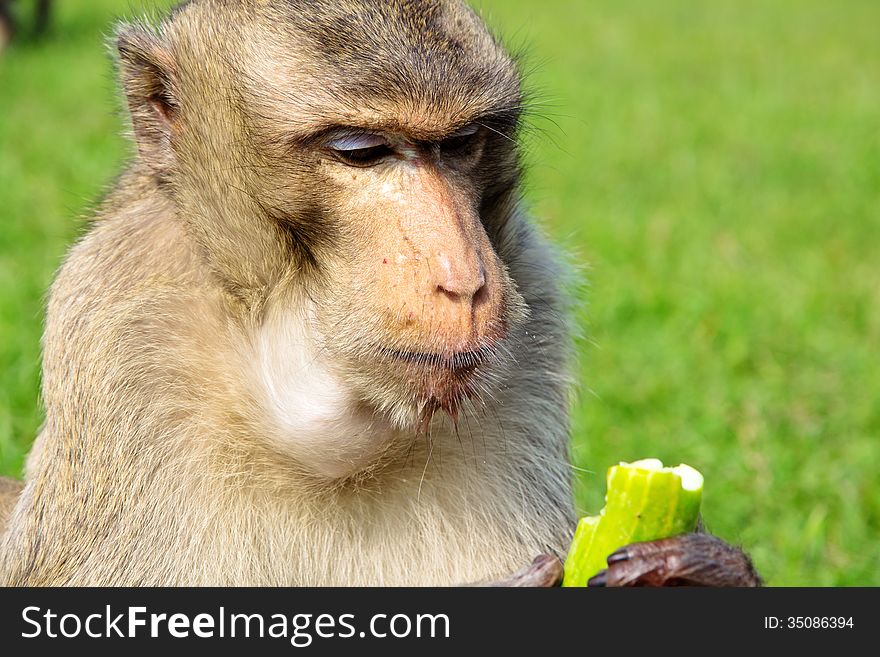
(360, 149)
(460, 142)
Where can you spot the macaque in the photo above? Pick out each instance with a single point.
(312, 336)
(8, 26)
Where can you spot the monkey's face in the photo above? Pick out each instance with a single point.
(414, 297)
(357, 161)
(389, 161)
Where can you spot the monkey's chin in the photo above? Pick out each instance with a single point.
(413, 412)
(431, 385)
(446, 397)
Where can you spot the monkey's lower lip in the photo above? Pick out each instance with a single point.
(462, 360)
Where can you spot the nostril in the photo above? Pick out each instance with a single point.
(482, 291)
(471, 288)
(453, 296)
(460, 282)
(481, 295)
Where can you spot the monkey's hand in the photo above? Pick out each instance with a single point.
(686, 560)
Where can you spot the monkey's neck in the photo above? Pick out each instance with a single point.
(309, 410)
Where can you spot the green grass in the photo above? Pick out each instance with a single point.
(715, 168)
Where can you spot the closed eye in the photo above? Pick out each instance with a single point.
(461, 142)
(360, 149)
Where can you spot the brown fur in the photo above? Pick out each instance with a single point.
(171, 453)
(9, 492)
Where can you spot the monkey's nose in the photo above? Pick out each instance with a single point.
(460, 281)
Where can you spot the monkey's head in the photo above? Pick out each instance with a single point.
(354, 160)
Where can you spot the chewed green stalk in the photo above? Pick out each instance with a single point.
(644, 502)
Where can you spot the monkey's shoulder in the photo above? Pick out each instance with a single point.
(133, 279)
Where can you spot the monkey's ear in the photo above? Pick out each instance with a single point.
(149, 78)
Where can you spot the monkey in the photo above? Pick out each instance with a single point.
(42, 13)
(7, 24)
(312, 336)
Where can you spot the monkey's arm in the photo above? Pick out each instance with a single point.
(687, 560)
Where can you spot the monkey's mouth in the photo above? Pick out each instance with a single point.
(440, 382)
(460, 362)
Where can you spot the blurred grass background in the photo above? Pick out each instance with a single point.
(714, 167)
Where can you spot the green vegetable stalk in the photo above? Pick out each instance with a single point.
(644, 502)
